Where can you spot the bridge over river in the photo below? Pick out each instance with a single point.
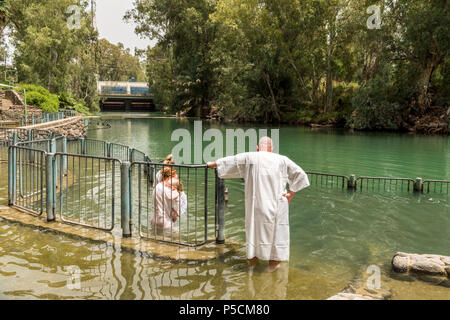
(125, 96)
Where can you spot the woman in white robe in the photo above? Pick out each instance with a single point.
(166, 200)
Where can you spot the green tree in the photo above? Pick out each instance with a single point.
(115, 63)
(289, 60)
(184, 29)
(52, 53)
(3, 16)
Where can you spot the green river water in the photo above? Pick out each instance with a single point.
(335, 234)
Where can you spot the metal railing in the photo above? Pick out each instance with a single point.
(47, 117)
(95, 147)
(84, 181)
(27, 183)
(9, 137)
(178, 220)
(436, 186)
(86, 190)
(119, 151)
(385, 184)
(327, 180)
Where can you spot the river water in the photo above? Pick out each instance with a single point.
(335, 234)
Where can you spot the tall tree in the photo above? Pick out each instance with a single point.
(51, 42)
(184, 28)
(115, 63)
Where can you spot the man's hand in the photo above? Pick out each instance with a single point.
(211, 165)
(290, 195)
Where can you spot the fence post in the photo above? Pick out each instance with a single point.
(148, 170)
(83, 146)
(11, 176)
(125, 199)
(64, 158)
(50, 186)
(352, 182)
(108, 150)
(418, 185)
(14, 168)
(220, 209)
(30, 153)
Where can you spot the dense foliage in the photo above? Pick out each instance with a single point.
(63, 54)
(308, 61)
(40, 97)
(115, 63)
(301, 61)
(3, 8)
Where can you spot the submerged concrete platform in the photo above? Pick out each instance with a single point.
(209, 251)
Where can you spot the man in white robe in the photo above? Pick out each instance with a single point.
(266, 176)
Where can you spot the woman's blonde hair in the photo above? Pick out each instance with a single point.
(168, 172)
(180, 186)
(169, 159)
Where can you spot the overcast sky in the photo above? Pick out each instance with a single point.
(112, 27)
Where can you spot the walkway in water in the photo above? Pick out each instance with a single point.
(206, 252)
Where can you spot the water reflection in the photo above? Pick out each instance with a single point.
(34, 265)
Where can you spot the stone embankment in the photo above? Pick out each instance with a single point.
(70, 127)
(12, 107)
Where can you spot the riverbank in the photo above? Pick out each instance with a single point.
(436, 122)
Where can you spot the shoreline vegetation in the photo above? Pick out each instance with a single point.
(310, 62)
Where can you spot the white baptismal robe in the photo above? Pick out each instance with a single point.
(266, 175)
(167, 206)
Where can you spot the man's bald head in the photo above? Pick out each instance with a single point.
(265, 145)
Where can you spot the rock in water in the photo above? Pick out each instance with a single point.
(430, 264)
(351, 296)
(356, 292)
